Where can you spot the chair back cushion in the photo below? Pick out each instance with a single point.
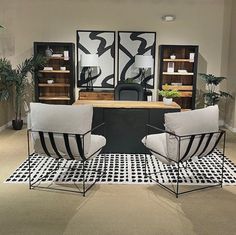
(128, 91)
(192, 122)
(62, 119)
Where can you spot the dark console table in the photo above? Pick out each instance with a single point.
(125, 122)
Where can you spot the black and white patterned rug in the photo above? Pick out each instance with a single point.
(127, 169)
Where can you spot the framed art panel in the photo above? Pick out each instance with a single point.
(136, 57)
(95, 59)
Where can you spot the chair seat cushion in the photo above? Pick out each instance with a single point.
(97, 142)
(158, 147)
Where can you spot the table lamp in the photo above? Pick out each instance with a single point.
(143, 62)
(89, 61)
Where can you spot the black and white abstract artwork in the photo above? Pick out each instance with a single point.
(131, 44)
(101, 43)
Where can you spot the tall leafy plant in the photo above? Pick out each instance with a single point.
(212, 96)
(17, 80)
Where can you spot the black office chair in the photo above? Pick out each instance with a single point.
(129, 91)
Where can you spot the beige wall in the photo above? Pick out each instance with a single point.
(199, 22)
(5, 112)
(231, 84)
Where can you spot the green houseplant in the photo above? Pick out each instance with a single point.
(15, 82)
(168, 94)
(211, 96)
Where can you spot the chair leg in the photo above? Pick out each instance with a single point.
(28, 151)
(145, 165)
(29, 165)
(105, 165)
(223, 160)
(222, 171)
(83, 172)
(177, 183)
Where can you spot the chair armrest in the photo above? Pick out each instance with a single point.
(163, 131)
(203, 133)
(95, 128)
(71, 134)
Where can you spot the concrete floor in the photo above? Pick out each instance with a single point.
(109, 209)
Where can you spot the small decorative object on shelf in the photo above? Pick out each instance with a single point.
(48, 52)
(56, 55)
(50, 81)
(66, 55)
(181, 69)
(48, 68)
(55, 82)
(63, 68)
(171, 67)
(191, 56)
(176, 84)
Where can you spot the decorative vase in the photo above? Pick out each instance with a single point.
(48, 52)
(17, 124)
(167, 101)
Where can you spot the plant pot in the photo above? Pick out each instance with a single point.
(17, 124)
(167, 101)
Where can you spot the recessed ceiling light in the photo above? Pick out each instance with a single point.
(168, 18)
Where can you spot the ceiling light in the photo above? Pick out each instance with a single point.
(168, 18)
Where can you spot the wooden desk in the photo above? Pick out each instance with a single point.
(114, 104)
(125, 122)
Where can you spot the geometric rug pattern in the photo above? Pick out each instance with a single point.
(127, 169)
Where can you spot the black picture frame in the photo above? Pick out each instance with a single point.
(103, 44)
(127, 52)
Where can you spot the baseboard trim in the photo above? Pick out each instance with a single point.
(10, 123)
(230, 128)
(5, 126)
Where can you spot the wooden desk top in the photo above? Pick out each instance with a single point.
(127, 104)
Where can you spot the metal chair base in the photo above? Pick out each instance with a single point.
(176, 190)
(83, 189)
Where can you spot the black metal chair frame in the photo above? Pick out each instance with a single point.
(181, 161)
(80, 145)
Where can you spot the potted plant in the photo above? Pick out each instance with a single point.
(14, 82)
(168, 94)
(211, 96)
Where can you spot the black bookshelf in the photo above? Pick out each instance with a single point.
(56, 86)
(182, 61)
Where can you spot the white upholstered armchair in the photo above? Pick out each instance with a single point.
(187, 135)
(63, 132)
